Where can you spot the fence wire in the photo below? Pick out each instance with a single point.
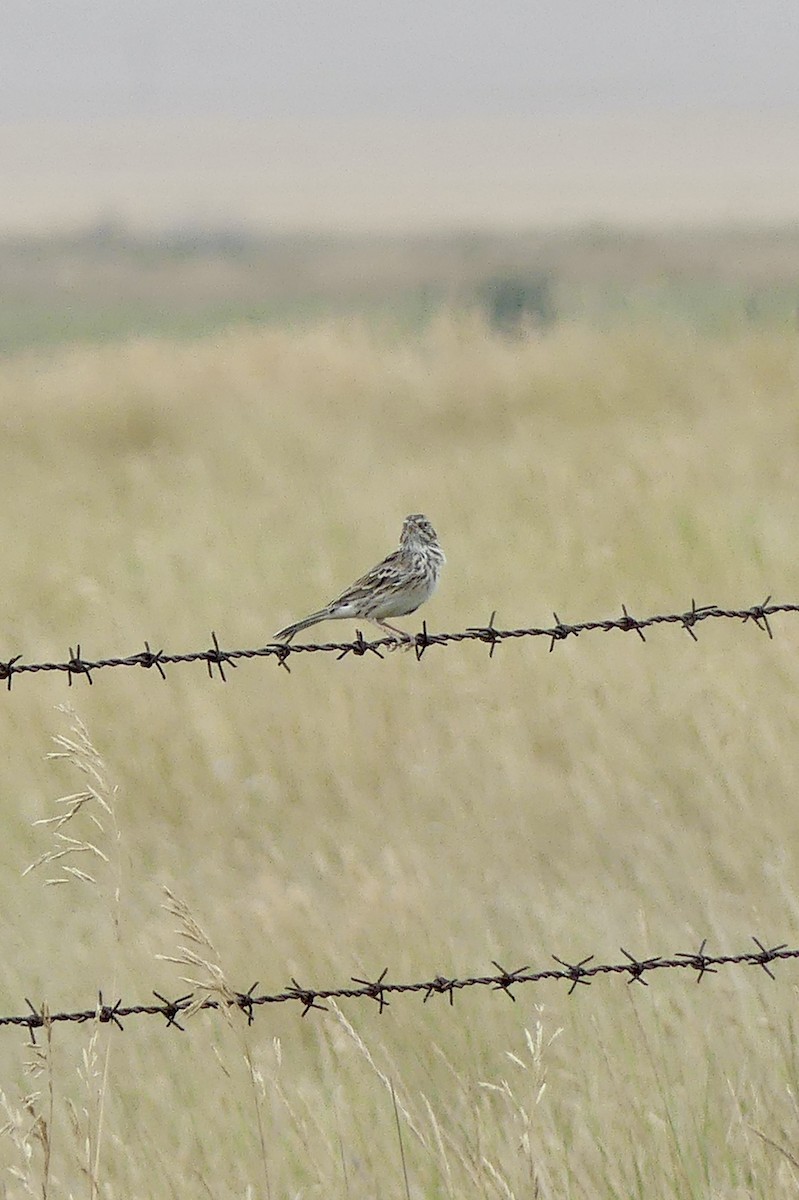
(216, 658)
(579, 974)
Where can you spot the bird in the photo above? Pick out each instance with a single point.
(397, 586)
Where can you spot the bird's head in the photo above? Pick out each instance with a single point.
(417, 530)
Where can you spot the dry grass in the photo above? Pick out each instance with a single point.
(426, 817)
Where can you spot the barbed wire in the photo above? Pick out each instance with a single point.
(380, 989)
(216, 657)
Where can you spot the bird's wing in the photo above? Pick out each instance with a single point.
(380, 576)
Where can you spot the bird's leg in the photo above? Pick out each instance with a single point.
(400, 636)
(393, 629)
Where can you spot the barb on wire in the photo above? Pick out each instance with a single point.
(215, 657)
(380, 989)
(699, 962)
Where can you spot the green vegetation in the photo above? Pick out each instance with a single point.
(106, 283)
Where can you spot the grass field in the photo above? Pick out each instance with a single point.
(427, 817)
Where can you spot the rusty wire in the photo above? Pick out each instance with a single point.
(380, 989)
(215, 657)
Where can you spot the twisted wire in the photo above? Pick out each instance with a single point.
(216, 658)
(380, 989)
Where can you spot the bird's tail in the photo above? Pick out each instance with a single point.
(285, 635)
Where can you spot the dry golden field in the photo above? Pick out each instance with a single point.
(428, 817)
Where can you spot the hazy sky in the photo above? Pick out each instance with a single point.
(390, 115)
(263, 58)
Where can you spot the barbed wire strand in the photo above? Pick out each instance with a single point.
(217, 658)
(380, 989)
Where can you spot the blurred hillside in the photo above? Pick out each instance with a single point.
(107, 282)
